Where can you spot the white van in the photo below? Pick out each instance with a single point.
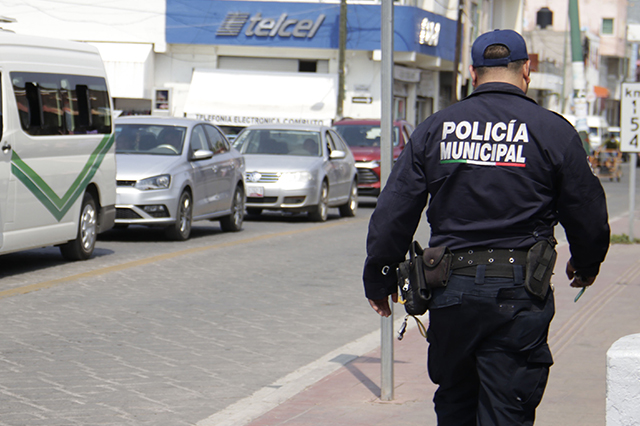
(598, 129)
(57, 165)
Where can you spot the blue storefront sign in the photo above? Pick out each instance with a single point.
(305, 25)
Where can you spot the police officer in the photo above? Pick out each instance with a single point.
(500, 172)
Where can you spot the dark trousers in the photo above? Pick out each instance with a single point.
(488, 352)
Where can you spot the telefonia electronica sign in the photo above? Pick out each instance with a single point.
(305, 25)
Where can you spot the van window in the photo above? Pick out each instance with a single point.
(60, 104)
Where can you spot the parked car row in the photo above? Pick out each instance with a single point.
(363, 138)
(299, 169)
(173, 171)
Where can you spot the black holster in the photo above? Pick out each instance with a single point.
(425, 269)
(541, 259)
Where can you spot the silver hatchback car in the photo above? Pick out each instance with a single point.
(298, 168)
(172, 171)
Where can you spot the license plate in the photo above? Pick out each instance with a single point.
(255, 191)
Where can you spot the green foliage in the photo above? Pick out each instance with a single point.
(623, 239)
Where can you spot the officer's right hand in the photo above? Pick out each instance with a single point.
(381, 306)
(578, 281)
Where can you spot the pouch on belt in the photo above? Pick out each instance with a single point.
(541, 259)
(425, 269)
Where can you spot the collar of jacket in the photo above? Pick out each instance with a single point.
(500, 88)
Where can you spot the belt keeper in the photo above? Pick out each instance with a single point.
(480, 272)
(518, 274)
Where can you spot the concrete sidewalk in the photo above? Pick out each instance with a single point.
(581, 333)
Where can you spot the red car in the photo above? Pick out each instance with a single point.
(363, 138)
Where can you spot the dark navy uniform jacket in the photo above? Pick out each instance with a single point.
(499, 171)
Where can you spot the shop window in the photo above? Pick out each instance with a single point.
(307, 66)
(399, 108)
(607, 26)
(424, 108)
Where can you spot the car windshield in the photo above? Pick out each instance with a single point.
(231, 132)
(364, 134)
(149, 139)
(279, 142)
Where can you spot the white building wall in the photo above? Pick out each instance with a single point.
(448, 8)
(139, 21)
(362, 80)
(505, 14)
(144, 21)
(591, 14)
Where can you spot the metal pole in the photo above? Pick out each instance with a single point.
(456, 58)
(342, 47)
(386, 162)
(633, 161)
(633, 62)
(564, 69)
(633, 156)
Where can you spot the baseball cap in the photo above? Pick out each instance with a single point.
(508, 38)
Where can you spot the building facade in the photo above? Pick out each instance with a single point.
(236, 63)
(257, 61)
(603, 25)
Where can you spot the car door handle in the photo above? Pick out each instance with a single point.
(6, 148)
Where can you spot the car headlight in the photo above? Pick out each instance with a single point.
(295, 177)
(156, 182)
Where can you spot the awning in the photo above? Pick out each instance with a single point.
(129, 68)
(601, 92)
(242, 98)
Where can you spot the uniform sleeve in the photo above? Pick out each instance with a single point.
(582, 211)
(394, 220)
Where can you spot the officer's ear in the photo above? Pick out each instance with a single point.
(474, 76)
(526, 70)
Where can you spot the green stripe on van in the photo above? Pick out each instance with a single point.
(59, 206)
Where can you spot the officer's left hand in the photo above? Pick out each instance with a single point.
(578, 281)
(381, 306)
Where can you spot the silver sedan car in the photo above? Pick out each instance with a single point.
(172, 171)
(298, 168)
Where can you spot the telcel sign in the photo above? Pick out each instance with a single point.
(283, 26)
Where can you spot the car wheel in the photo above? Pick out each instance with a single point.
(320, 212)
(254, 211)
(181, 229)
(350, 209)
(233, 222)
(82, 247)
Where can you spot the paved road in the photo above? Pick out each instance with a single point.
(151, 332)
(157, 333)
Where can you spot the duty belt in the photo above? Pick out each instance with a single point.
(501, 263)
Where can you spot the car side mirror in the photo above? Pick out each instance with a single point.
(201, 154)
(337, 154)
